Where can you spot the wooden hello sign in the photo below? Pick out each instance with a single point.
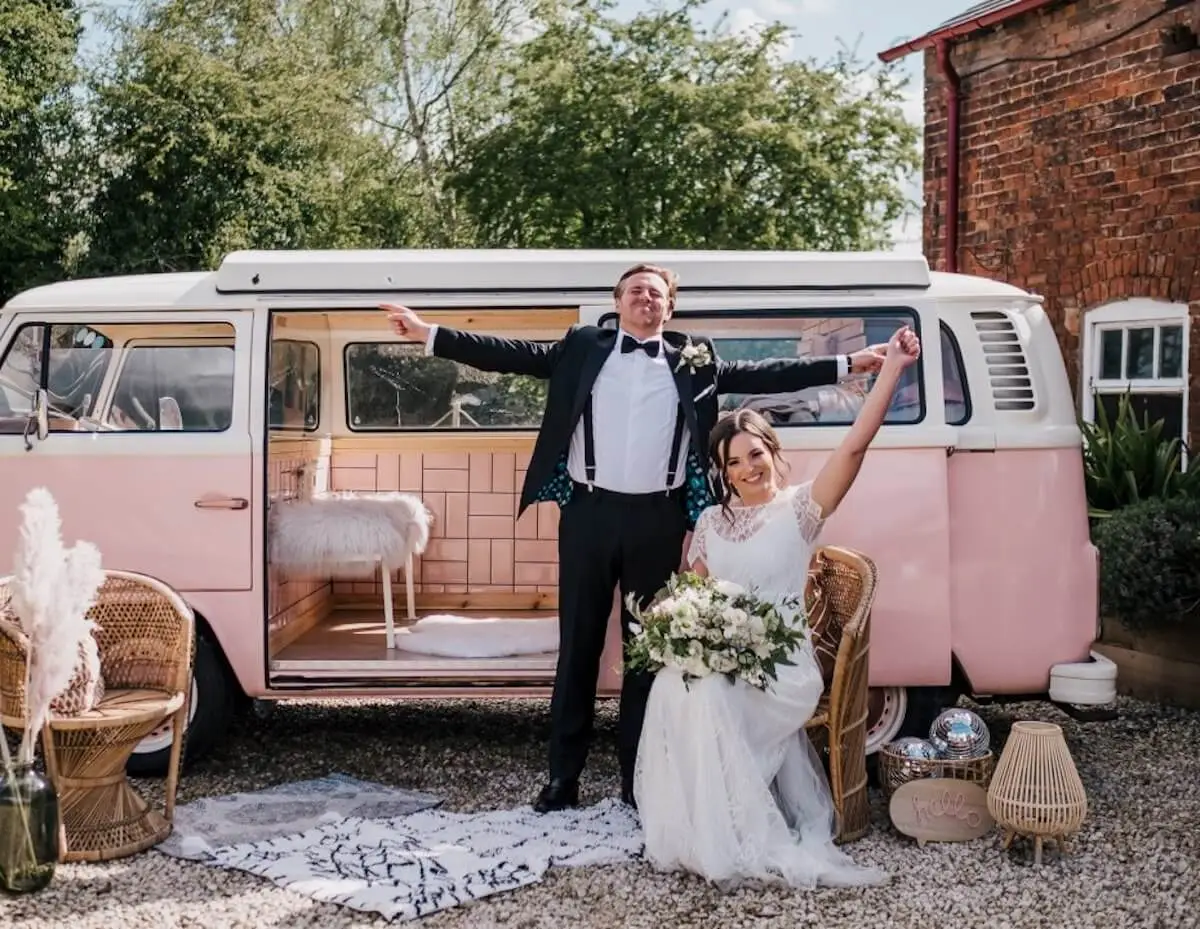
(941, 809)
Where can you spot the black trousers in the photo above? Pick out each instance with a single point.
(606, 541)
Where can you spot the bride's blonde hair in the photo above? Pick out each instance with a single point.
(728, 427)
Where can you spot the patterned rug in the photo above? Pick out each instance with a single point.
(205, 825)
(412, 865)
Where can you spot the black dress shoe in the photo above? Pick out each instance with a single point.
(557, 795)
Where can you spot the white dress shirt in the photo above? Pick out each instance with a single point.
(634, 404)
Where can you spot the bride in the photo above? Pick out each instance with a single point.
(727, 784)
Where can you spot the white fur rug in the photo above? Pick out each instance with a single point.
(448, 636)
(335, 532)
(410, 866)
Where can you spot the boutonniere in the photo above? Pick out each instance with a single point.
(694, 356)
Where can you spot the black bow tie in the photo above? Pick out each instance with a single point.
(630, 344)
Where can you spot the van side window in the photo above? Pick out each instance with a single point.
(392, 385)
(68, 361)
(174, 386)
(295, 393)
(744, 336)
(954, 380)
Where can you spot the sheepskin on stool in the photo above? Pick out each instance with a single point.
(352, 535)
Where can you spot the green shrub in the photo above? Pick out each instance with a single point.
(1150, 563)
(1127, 461)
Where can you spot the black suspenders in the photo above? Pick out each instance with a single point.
(676, 444)
(589, 445)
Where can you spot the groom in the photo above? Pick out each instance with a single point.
(622, 449)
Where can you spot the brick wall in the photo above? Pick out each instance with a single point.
(1079, 178)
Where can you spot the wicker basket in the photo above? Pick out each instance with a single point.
(896, 769)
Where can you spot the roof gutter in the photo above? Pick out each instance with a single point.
(953, 85)
(964, 28)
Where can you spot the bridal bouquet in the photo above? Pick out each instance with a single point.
(707, 626)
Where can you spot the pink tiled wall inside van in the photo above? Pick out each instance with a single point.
(288, 598)
(476, 544)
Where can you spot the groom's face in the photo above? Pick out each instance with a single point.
(644, 304)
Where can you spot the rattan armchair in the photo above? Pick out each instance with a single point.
(146, 643)
(840, 723)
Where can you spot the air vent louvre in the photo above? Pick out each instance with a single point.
(1008, 369)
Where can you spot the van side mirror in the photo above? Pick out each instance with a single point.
(41, 410)
(39, 418)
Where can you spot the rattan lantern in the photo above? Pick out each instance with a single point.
(1036, 791)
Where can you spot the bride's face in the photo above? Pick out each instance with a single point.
(749, 467)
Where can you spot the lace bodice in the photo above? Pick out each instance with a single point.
(766, 547)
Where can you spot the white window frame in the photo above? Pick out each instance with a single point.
(1124, 315)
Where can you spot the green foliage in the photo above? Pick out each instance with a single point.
(221, 125)
(1127, 461)
(38, 131)
(215, 125)
(1150, 562)
(652, 133)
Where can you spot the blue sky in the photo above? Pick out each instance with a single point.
(821, 26)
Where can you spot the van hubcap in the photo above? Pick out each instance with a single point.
(886, 708)
(160, 738)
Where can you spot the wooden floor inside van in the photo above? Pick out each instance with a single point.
(351, 643)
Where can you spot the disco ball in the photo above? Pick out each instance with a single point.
(958, 734)
(914, 748)
(911, 755)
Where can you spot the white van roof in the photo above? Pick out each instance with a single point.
(593, 272)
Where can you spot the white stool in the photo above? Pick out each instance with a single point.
(340, 533)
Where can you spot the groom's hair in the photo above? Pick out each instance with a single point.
(666, 274)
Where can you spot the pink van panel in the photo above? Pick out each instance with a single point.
(140, 511)
(1024, 591)
(897, 513)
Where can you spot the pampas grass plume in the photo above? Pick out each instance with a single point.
(52, 590)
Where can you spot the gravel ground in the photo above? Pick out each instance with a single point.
(1136, 863)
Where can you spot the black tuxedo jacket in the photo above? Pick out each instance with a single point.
(572, 363)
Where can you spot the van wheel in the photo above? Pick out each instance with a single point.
(895, 712)
(209, 715)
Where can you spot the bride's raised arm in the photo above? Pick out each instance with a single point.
(838, 474)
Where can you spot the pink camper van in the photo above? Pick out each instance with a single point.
(169, 414)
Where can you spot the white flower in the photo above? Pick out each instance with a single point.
(694, 356)
(695, 667)
(729, 588)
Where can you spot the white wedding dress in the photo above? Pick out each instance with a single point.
(727, 784)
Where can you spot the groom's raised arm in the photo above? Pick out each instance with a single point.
(779, 375)
(492, 353)
(485, 352)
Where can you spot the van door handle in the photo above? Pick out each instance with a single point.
(222, 503)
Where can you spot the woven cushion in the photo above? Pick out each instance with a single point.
(826, 629)
(86, 689)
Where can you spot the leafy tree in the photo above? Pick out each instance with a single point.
(38, 135)
(436, 73)
(226, 124)
(653, 133)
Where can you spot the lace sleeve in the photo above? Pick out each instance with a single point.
(808, 513)
(698, 550)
